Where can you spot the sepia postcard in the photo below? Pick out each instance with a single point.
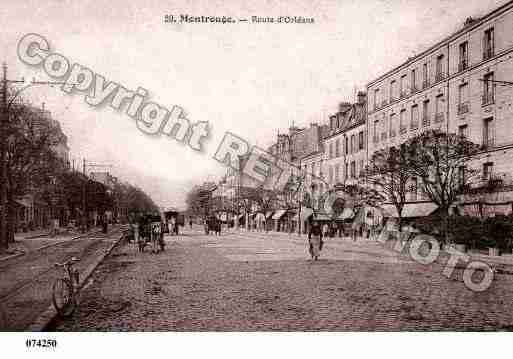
(213, 171)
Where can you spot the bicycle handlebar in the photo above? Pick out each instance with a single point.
(68, 262)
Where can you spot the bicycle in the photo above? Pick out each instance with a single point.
(64, 290)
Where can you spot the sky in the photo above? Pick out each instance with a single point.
(250, 79)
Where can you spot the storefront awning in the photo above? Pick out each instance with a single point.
(260, 217)
(278, 214)
(22, 202)
(322, 217)
(347, 213)
(410, 210)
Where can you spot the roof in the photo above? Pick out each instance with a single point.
(354, 116)
(410, 210)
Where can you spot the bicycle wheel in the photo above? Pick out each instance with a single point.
(63, 297)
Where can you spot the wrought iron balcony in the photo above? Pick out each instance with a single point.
(425, 121)
(488, 143)
(463, 65)
(440, 76)
(463, 108)
(488, 98)
(425, 84)
(439, 117)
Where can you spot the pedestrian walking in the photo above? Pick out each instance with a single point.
(190, 222)
(315, 241)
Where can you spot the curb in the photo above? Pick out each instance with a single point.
(46, 246)
(48, 316)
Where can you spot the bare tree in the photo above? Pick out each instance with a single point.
(388, 173)
(441, 161)
(30, 156)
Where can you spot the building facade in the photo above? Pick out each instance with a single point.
(460, 85)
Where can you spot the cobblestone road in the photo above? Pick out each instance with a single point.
(26, 281)
(250, 281)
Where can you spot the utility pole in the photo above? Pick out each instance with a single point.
(84, 213)
(3, 174)
(4, 240)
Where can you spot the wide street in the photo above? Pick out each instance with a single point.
(256, 281)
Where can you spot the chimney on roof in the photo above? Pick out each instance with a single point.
(469, 21)
(362, 97)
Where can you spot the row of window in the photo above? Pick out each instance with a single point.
(382, 130)
(353, 144)
(399, 89)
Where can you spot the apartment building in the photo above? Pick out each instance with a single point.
(463, 84)
(346, 143)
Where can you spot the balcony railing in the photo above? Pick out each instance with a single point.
(488, 53)
(488, 143)
(440, 76)
(463, 108)
(402, 130)
(439, 117)
(425, 84)
(488, 98)
(425, 121)
(463, 65)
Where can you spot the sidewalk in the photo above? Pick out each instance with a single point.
(34, 240)
(373, 246)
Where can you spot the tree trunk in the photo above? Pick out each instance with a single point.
(11, 219)
(444, 212)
